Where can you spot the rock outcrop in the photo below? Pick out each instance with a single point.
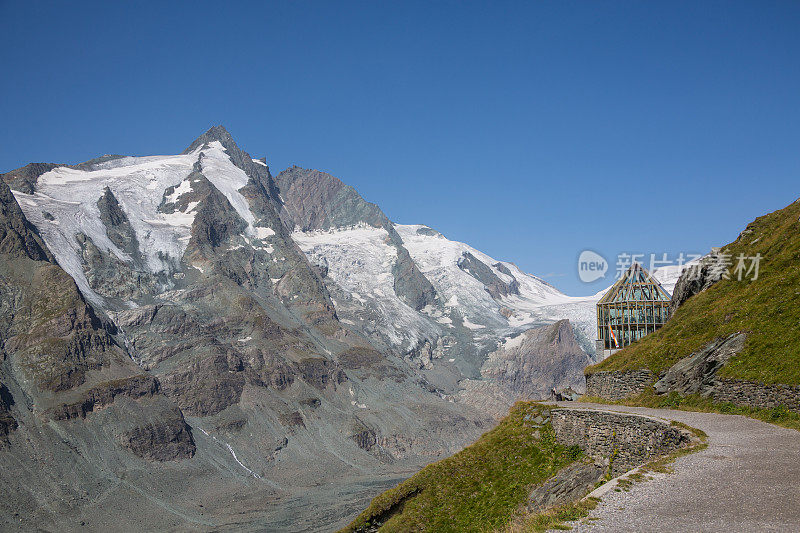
(696, 374)
(696, 279)
(538, 360)
(570, 484)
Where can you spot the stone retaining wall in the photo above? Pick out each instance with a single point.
(752, 394)
(626, 440)
(616, 385)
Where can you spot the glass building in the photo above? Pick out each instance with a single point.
(633, 307)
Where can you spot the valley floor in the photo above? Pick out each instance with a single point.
(746, 480)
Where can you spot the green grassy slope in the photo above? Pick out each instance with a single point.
(478, 489)
(767, 308)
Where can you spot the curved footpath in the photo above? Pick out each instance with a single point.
(748, 479)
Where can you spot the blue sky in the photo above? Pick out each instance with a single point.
(530, 130)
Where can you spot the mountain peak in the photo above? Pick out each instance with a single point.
(215, 133)
(239, 157)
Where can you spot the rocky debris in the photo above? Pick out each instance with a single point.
(536, 422)
(538, 360)
(18, 237)
(496, 287)
(104, 394)
(565, 395)
(569, 484)
(293, 419)
(696, 279)
(425, 352)
(696, 374)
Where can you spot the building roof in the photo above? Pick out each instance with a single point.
(636, 284)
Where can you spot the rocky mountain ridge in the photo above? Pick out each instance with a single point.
(268, 336)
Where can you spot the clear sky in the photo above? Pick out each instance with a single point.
(530, 130)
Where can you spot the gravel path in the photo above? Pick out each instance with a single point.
(748, 479)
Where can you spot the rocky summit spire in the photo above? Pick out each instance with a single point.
(216, 133)
(239, 157)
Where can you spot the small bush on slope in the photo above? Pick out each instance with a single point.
(477, 489)
(767, 309)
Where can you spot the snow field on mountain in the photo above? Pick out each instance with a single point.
(360, 260)
(70, 196)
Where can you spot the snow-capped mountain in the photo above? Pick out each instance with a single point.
(267, 335)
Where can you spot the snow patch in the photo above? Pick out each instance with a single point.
(263, 233)
(470, 325)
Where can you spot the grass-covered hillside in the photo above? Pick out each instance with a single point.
(767, 309)
(480, 488)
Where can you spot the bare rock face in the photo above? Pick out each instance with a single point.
(409, 283)
(215, 224)
(207, 385)
(538, 360)
(55, 335)
(570, 484)
(112, 277)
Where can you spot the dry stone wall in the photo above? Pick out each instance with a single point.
(617, 384)
(757, 395)
(626, 440)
